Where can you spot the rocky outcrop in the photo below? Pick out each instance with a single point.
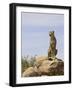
(51, 68)
(44, 66)
(47, 65)
(30, 72)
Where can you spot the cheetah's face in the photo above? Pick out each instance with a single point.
(51, 33)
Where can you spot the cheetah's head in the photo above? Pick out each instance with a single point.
(51, 33)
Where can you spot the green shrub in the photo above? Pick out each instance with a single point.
(24, 65)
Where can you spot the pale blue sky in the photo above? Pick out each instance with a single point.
(35, 33)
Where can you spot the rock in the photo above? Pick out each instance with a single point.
(52, 68)
(46, 67)
(40, 60)
(57, 68)
(31, 71)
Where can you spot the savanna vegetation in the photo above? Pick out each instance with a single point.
(26, 63)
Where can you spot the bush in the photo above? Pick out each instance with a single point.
(32, 61)
(24, 65)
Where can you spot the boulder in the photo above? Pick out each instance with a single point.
(47, 67)
(51, 68)
(31, 71)
(40, 60)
